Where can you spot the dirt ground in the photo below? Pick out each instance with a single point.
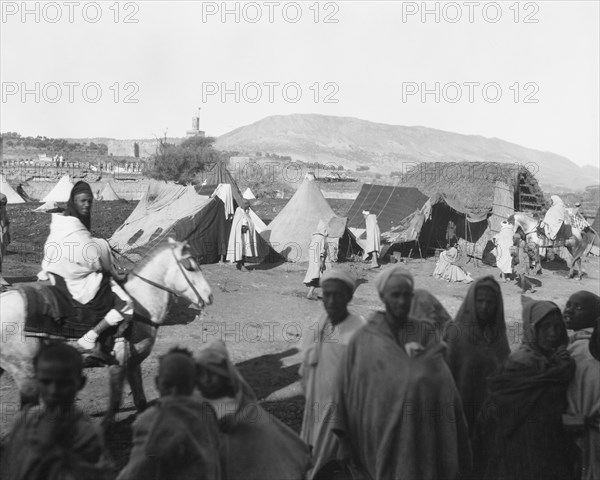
(262, 315)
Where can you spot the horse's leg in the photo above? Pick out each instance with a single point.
(116, 379)
(25, 381)
(134, 378)
(538, 262)
(580, 268)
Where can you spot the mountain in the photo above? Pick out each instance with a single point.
(352, 142)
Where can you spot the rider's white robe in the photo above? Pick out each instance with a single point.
(71, 252)
(555, 217)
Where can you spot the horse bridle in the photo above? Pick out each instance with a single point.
(168, 289)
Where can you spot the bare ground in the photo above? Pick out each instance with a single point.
(262, 315)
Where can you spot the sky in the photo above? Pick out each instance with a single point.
(525, 72)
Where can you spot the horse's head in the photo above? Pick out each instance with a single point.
(182, 273)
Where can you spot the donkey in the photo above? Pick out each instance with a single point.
(168, 270)
(577, 244)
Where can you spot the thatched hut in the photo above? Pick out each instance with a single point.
(474, 184)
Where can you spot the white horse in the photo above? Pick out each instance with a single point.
(577, 244)
(169, 270)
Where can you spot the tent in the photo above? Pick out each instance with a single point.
(248, 195)
(176, 211)
(109, 193)
(290, 231)
(12, 196)
(429, 225)
(48, 207)
(61, 191)
(216, 175)
(390, 204)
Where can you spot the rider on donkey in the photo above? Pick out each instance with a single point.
(81, 263)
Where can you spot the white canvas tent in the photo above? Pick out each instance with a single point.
(289, 234)
(248, 195)
(12, 196)
(47, 207)
(109, 194)
(61, 191)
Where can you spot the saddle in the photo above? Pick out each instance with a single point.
(52, 314)
(564, 233)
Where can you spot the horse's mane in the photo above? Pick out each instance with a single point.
(148, 257)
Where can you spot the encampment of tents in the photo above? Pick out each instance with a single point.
(12, 196)
(248, 195)
(179, 212)
(390, 204)
(109, 194)
(290, 232)
(61, 191)
(429, 225)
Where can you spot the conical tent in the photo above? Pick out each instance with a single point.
(47, 207)
(61, 191)
(248, 195)
(290, 232)
(109, 193)
(11, 195)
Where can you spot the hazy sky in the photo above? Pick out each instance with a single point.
(526, 72)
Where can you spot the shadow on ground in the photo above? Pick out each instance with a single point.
(268, 374)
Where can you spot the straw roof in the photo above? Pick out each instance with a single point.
(473, 183)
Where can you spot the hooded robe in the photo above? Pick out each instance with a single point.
(242, 244)
(474, 353)
(519, 433)
(318, 251)
(400, 417)
(504, 240)
(555, 217)
(254, 444)
(373, 243)
(583, 396)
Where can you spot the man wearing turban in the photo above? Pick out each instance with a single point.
(80, 263)
(324, 349)
(318, 258)
(400, 414)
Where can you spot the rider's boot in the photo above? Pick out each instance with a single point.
(123, 310)
(112, 318)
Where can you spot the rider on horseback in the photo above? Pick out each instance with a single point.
(554, 218)
(81, 263)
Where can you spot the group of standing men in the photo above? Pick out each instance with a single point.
(412, 398)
